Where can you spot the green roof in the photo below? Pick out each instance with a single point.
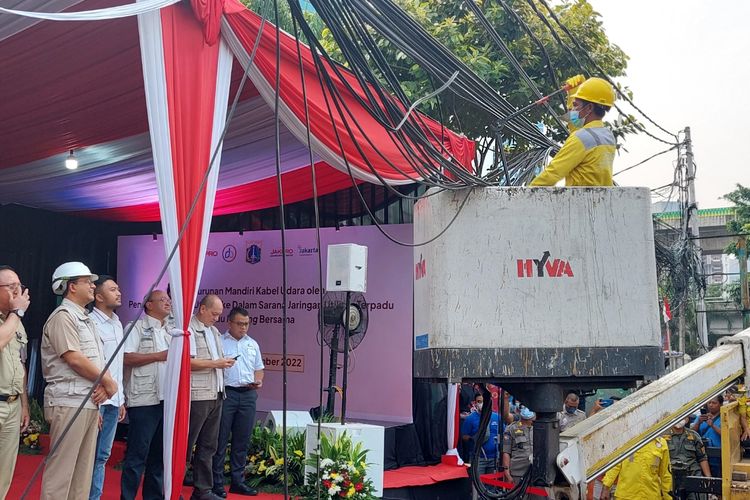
(706, 212)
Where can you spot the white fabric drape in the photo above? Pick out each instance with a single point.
(140, 7)
(452, 421)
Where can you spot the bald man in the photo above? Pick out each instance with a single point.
(207, 393)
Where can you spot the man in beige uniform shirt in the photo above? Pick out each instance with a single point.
(14, 406)
(72, 357)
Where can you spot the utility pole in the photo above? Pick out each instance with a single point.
(744, 292)
(690, 228)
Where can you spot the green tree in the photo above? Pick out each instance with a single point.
(741, 223)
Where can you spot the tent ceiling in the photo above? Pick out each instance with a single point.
(79, 85)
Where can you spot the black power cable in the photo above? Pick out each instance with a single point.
(282, 215)
(519, 489)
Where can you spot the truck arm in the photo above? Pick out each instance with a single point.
(596, 444)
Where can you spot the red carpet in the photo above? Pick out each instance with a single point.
(28, 463)
(422, 476)
(399, 478)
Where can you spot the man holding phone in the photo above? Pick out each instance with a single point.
(241, 382)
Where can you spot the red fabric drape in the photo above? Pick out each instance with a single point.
(372, 142)
(191, 67)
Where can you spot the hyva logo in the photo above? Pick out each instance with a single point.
(544, 267)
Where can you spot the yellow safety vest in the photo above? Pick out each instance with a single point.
(585, 158)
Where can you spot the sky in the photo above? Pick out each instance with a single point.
(689, 66)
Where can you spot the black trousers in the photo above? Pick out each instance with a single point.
(237, 420)
(205, 417)
(143, 456)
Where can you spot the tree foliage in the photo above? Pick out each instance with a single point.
(741, 223)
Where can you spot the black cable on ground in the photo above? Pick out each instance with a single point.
(54, 446)
(518, 491)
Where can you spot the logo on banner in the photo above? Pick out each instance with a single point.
(252, 252)
(420, 269)
(212, 253)
(544, 267)
(229, 253)
(276, 252)
(306, 251)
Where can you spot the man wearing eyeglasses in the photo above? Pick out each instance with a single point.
(241, 383)
(14, 406)
(145, 374)
(72, 359)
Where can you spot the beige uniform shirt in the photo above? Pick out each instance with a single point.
(68, 329)
(12, 357)
(205, 384)
(144, 385)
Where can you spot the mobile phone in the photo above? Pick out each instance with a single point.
(606, 402)
(704, 411)
(236, 357)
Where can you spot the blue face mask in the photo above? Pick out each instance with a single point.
(575, 118)
(571, 409)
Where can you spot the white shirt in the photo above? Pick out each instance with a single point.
(250, 360)
(161, 343)
(213, 350)
(110, 331)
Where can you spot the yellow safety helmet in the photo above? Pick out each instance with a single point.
(596, 90)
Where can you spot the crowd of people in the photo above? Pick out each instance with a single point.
(78, 339)
(656, 471)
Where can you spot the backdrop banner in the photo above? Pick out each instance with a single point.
(245, 271)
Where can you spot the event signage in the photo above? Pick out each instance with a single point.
(246, 271)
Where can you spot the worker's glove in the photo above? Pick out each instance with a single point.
(574, 81)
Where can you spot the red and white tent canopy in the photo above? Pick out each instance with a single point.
(79, 85)
(143, 102)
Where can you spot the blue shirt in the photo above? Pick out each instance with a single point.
(706, 431)
(250, 360)
(470, 427)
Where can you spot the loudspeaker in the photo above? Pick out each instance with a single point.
(347, 268)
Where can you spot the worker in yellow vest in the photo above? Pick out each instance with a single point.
(586, 157)
(644, 475)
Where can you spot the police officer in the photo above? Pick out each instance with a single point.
(687, 454)
(14, 405)
(643, 475)
(72, 358)
(518, 447)
(206, 392)
(570, 415)
(145, 363)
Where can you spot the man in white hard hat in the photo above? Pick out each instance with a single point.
(72, 358)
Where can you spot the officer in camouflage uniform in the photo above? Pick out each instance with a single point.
(687, 455)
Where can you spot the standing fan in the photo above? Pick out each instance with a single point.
(341, 337)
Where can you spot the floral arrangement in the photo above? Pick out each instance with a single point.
(340, 471)
(30, 444)
(265, 461)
